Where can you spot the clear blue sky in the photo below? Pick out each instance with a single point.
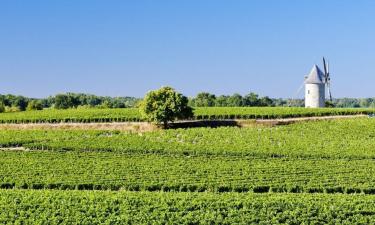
(125, 48)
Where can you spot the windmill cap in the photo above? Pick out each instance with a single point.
(315, 76)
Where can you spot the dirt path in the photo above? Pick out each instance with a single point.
(144, 126)
(127, 126)
(285, 121)
(13, 149)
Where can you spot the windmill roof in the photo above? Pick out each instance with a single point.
(316, 76)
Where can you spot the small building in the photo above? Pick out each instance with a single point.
(315, 89)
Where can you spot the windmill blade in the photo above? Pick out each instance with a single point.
(329, 92)
(325, 67)
(327, 78)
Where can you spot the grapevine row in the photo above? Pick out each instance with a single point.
(350, 139)
(83, 207)
(203, 113)
(149, 172)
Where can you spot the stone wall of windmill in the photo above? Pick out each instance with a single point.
(315, 89)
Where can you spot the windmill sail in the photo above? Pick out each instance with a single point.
(327, 78)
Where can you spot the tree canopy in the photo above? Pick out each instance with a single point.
(165, 105)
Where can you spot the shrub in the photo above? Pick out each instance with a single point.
(165, 105)
(34, 105)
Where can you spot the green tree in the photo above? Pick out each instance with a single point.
(107, 104)
(329, 104)
(251, 99)
(235, 100)
(204, 99)
(365, 102)
(2, 107)
(63, 101)
(34, 105)
(20, 102)
(165, 105)
(265, 101)
(221, 100)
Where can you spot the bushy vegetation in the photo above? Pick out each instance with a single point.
(2, 107)
(165, 105)
(34, 105)
(68, 100)
(15, 103)
(205, 99)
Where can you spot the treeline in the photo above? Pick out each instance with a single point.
(354, 102)
(205, 99)
(13, 103)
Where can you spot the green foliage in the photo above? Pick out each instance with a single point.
(87, 114)
(306, 173)
(34, 105)
(20, 102)
(73, 100)
(87, 207)
(69, 100)
(217, 113)
(12, 109)
(342, 139)
(329, 104)
(235, 100)
(251, 99)
(204, 99)
(83, 114)
(2, 107)
(65, 101)
(165, 105)
(136, 171)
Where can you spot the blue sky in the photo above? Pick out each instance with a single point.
(125, 48)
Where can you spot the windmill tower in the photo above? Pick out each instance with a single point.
(315, 87)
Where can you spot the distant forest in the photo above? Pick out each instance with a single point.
(253, 99)
(13, 103)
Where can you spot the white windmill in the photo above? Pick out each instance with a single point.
(315, 86)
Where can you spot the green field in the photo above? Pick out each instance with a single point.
(152, 172)
(103, 207)
(133, 115)
(348, 139)
(312, 172)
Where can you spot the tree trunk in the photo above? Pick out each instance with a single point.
(165, 124)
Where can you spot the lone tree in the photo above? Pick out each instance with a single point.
(165, 105)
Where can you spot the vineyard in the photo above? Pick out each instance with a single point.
(311, 172)
(103, 207)
(151, 172)
(203, 113)
(339, 139)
